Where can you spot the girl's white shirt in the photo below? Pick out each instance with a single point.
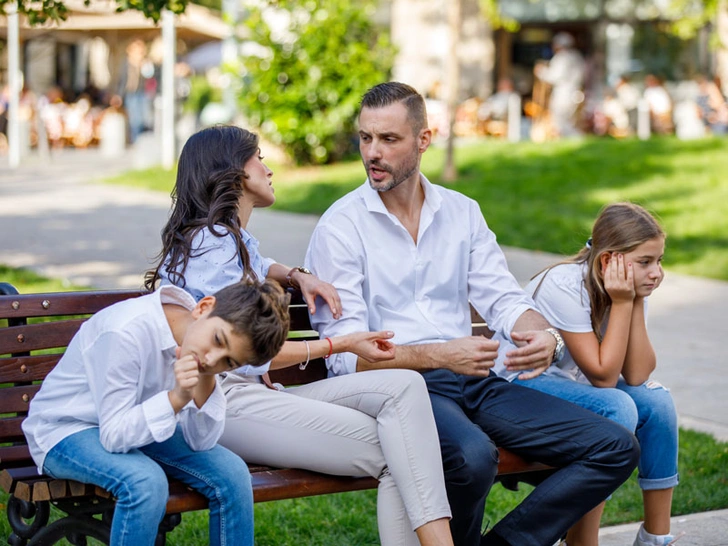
(563, 300)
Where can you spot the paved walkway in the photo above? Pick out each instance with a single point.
(55, 221)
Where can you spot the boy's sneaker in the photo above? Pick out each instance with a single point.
(644, 538)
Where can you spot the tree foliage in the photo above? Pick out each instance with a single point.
(683, 18)
(320, 56)
(41, 11)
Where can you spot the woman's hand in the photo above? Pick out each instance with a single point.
(618, 279)
(371, 346)
(311, 286)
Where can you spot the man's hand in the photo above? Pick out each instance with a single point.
(472, 355)
(535, 353)
(186, 378)
(311, 286)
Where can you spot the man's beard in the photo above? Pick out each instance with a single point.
(397, 175)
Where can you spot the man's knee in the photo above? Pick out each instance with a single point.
(472, 463)
(621, 448)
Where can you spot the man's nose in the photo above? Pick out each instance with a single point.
(373, 151)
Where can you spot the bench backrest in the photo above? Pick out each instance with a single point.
(36, 328)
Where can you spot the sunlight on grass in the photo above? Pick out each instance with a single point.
(546, 196)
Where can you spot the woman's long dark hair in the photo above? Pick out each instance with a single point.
(209, 185)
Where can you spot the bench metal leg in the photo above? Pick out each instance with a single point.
(169, 522)
(26, 519)
(74, 528)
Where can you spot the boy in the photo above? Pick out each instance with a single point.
(135, 397)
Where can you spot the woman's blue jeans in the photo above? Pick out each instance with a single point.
(138, 480)
(647, 409)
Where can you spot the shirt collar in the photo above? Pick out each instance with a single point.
(374, 203)
(171, 294)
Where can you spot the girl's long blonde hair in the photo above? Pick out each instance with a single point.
(619, 227)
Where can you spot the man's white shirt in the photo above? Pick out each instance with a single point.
(420, 291)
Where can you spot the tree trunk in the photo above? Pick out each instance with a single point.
(454, 17)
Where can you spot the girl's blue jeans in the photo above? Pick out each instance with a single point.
(138, 480)
(647, 409)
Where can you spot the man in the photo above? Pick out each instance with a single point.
(408, 256)
(565, 73)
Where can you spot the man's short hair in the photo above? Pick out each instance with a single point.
(258, 311)
(388, 93)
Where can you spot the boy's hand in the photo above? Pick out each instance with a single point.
(187, 376)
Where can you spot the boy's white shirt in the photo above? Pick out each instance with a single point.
(115, 375)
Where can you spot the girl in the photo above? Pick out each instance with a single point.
(371, 423)
(598, 301)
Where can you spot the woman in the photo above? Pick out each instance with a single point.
(366, 424)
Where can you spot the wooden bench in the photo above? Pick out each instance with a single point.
(34, 330)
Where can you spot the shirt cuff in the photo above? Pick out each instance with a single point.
(342, 363)
(214, 406)
(514, 316)
(160, 417)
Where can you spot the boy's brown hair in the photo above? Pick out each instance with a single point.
(258, 311)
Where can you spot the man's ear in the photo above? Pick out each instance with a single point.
(204, 307)
(424, 139)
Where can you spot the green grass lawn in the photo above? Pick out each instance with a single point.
(546, 196)
(350, 518)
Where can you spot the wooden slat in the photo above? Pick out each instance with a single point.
(17, 399)
(510, 463)
(61, 303)
(103, 493)
(6, 481)
(482, 330)
(15, 456)
(41, 491)
(10, 430)
(183, 499)
(24, 490)
(294, 483)
(292, 375)
(26, 368)
(78, 489)
(58, 489)
(299, 318)
(32, 337)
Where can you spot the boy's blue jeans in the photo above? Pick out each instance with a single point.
(138, 481)
(647, 409)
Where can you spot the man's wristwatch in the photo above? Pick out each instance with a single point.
(289, 277)
(560, 347)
